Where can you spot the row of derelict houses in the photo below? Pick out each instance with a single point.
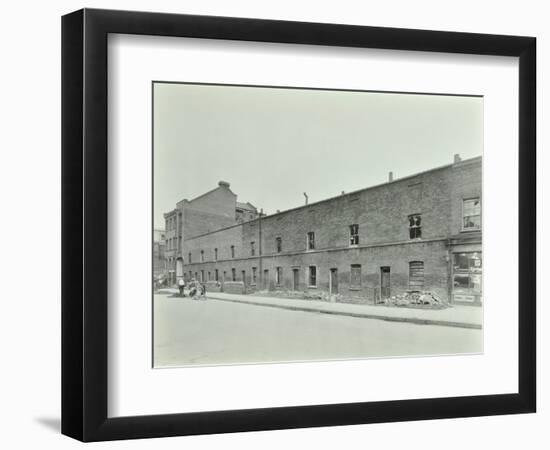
(417, 233)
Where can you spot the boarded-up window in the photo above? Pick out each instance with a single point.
(416, 275)
(355, 276)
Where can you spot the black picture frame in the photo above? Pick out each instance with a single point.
(84, 224)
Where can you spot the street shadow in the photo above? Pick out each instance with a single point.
(52, 423)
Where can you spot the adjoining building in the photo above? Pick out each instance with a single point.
(420, 232)
(213, 210)
(159, 260)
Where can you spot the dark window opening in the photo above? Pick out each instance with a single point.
(415, 226)
(354, 234)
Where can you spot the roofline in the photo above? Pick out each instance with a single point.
(446, 166)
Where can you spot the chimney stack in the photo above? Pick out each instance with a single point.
(307, 198)
(457, 158)
(390, 177)
(223, 184)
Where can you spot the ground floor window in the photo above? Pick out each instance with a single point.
(355, 276)
(313, 276)
(254, 275)
(279, 276)
(416, 275)
(217, 275)
(243, 275)
(233, 274)
(202, 276)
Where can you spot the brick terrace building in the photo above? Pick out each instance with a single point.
(421, 232)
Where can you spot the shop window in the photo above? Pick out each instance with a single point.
(415, 226)
(471, 212)
(467, 272)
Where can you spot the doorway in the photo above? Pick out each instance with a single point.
(385, 283)
(333, 286)
(266, 279)
(295, 279)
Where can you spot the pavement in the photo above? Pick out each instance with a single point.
(454, 316)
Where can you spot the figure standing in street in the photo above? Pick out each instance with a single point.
(181, 286)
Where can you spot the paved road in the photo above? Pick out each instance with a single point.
(188, 332)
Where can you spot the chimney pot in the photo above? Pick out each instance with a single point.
(390, 176)
(457, 158)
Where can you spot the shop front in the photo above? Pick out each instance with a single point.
(467, 271)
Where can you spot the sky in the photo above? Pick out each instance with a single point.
(273, 144)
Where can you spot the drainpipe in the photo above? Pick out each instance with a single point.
(260, 262)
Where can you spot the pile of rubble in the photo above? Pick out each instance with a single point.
(416, 299)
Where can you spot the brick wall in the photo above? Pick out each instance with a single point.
(382, 215)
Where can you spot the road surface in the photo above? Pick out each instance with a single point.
(194, 332)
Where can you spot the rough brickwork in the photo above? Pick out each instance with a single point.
(382, 214)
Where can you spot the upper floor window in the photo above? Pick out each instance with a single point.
(471, 214)
(310, 240)
(215, 254)
(189, 258)
(252, 248)
(415, 226)
(233, 252)
(354, 234)
(202, 255)
(279, 244)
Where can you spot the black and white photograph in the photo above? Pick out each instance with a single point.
(296, 224)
